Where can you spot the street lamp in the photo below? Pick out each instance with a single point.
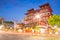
(37, 16)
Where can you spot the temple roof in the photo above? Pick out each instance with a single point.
(30, 11)
(47, 4)
(38, 10)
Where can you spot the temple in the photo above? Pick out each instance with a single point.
(39, 16)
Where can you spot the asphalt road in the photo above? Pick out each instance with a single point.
(6, 36)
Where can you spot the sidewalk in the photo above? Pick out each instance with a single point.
(25, 33)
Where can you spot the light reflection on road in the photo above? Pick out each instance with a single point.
(6, 36)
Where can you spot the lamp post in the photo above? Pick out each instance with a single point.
(37, 17)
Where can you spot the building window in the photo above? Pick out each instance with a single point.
(48, 13)
(46, 9)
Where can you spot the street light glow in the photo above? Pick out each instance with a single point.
(1, 26)
(37, 16)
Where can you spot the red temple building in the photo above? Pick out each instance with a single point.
(44, 13)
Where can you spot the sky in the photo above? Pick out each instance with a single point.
(12, 10)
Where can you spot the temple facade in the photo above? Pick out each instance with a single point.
(39, 16)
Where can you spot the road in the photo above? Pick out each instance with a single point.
(7, 36)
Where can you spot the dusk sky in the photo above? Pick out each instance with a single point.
(12, 10)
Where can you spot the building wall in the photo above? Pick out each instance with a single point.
(45, 12)
(1, 20)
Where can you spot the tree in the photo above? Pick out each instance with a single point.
(36, 28)
(54, 20)
(8, 24)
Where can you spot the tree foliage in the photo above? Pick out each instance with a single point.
(8, 22)
(36, 28)
(54, 20)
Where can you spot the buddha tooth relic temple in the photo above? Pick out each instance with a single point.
(39, 16)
